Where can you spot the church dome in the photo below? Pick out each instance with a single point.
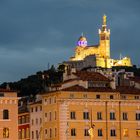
(82, 41)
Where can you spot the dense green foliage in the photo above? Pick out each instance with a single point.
(36, 83)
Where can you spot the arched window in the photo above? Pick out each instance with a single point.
(5, 114)
(5, 132)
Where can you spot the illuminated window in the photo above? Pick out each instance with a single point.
(112, 115)
(19, 120)
(138, 116)
(86, 115)
(112, 132)
(100, 132)
(125, 132)
(23, 133)
(23, 119)
(99, 115)
(86, 133)
(138, 132)
(5, 132)
(73, 132)
(27, 133)
(72, 115)
(125, 116)
(5, 114)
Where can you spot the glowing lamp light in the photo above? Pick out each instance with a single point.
(82, 43)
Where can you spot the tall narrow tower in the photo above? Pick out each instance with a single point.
(104, 35)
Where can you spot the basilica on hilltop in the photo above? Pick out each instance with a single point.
(96, 55)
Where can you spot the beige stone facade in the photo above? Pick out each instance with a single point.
(86, 99)
(8, 115)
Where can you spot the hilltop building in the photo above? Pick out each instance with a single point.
(96, 55)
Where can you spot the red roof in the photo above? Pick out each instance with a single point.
(94, 89)
(128, 90)
(136, 79)
(5, 90)
(91, 76)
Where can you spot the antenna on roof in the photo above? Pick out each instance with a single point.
(82, 34)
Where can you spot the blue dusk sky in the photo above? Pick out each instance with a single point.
(34, 33)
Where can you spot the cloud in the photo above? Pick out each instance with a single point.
(33, 33)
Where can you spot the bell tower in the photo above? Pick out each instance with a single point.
(104, 35)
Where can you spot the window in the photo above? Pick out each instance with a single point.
(32, 134)
(23, 133)
(27, 133)
(19, 120)
(32, 110)
(36, 109)
(71, 95)
(111, 97)
(138, 132)
(23, 119)
(85, 95)
(99, 115)
(125, 116)
(55, 133)
(112, 115)
(5, 132)
(45, 115)
(72, 115)
(1, 94)
(50, 116)
(5, 114)
(40, 120)
(73, 132)
(36, 121)
(54, 99)
(50, 100)
(138, 116)
(50, 132)
(137, 97)
(37, 136)
(86, 115)
(45, 131)
(100, 132)
(19, 134)
(55, 115)
(32, 122)
(40, 108)
(97, 96)
(123, 97)
(125, 132)
(112, 132)
(86, 133)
